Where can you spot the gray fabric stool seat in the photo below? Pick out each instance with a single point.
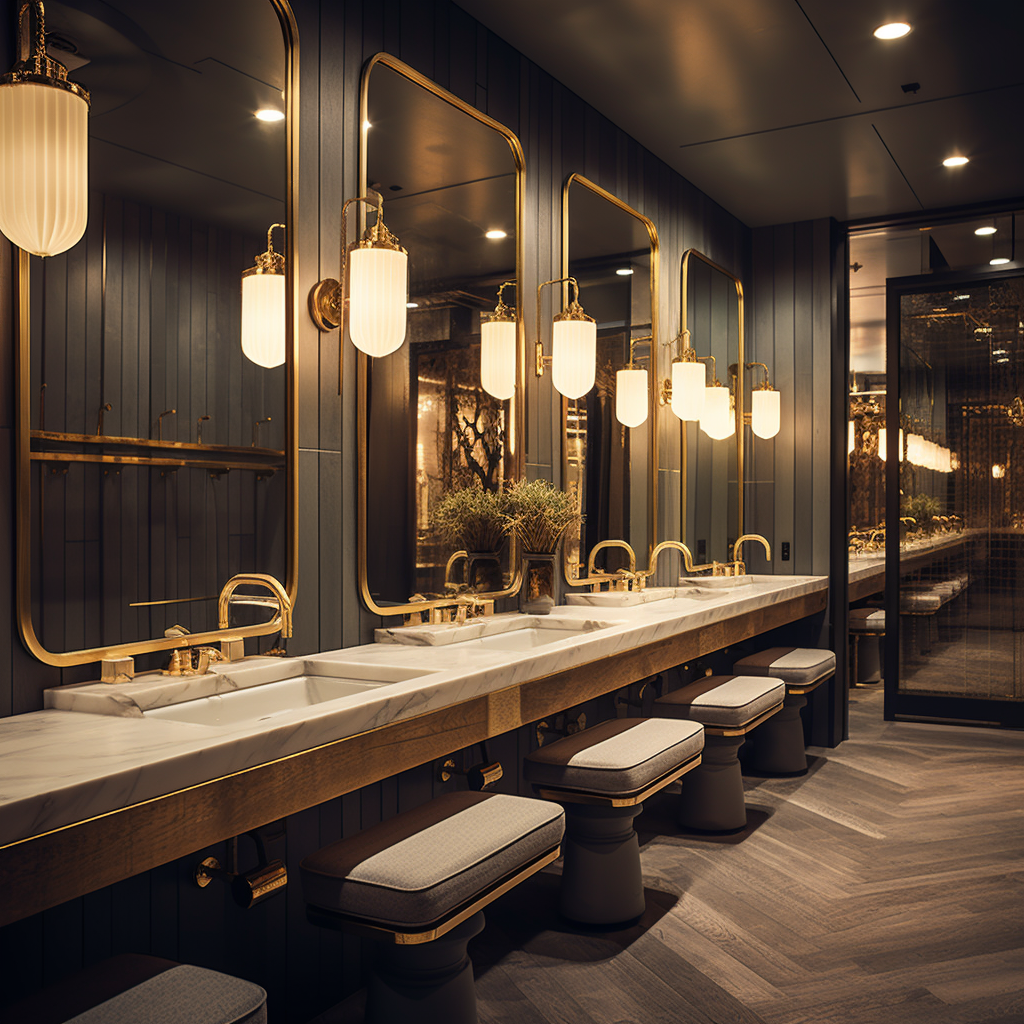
(418, 882)
(728, 707)
(144, 990)
(779, 744)
(602, 775)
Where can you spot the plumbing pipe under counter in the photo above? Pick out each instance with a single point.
(64, 767)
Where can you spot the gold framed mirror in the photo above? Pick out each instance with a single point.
(452, 182)
(154, 460)
(612, 251)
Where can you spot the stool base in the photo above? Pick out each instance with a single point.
(712, 794)
(779, 742)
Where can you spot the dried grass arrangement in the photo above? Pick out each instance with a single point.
(538, 514)
(472, 518)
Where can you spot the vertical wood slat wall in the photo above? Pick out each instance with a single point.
(304, 968)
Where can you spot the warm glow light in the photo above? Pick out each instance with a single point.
(765, 412)
(367, 126)
(688, 389)
(269, 114)
(892, 30)
(573, 356)
(378, 293)
(624, 271)
(498, 358)
(495, 233)
(716, 419)
(955, 161)
(998, 261)
(263, 323)
(849, 437)
(882, 435)
(998, 471)
(631, 400)
(412, 305)
(985, 231)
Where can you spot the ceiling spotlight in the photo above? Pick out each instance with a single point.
(269, 114)
(893, 30)
(985, 231)
(496, 233)
(954, 161)
(999, 261)
(624, 271)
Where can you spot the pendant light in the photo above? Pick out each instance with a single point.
(686, 387)
(883, 446)
(498, 349)
(44, 146)
(765, 407)
(263, 307)
(573, 358)
(715, 419)
(631, 397)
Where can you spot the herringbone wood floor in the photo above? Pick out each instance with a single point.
(885, 886)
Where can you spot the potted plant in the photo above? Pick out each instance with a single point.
(538, 514)
(474, 520)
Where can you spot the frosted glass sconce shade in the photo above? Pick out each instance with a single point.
(717, 420)
(688, 389)
(498, 358)
(631, 397)
(263, 326)
(44, 147)
(850, 442)
(765, 412)
(573, 356)
(378, 293)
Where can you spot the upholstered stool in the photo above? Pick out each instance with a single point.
(142, 989)
(728, 707)
(603, 775)
(779, 744)
(418, 882)
(867, 628)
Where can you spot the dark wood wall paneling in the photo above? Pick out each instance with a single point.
(304, 968)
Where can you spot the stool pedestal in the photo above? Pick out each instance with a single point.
(712, 794)
(429, 983)
(601, 880)
(779, 742)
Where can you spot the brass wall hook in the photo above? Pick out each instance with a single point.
(160, 422)
(105, 407)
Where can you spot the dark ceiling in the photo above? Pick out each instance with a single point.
(787, 110)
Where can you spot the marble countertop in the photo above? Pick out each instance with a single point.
(99, 752)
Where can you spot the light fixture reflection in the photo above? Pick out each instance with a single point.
(498, 349)
(988, 230)
(892, 30)
(495, 234)
(716, 419)
(631, 396)
(998, 471)
(269, 115)
(263, 307)
(998, 261)
(573, 345)
(765, 407)
(955, 161)
(688, 379)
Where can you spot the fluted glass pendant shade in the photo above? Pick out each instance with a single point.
(631, 397)
(378, 293)
(717, 420)
(263, 327)
(688, 389)
(498, 358)
(44, 147)
(573, 356)
(766, 412)
(883, 444)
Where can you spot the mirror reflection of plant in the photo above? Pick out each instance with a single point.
(480, 439)
(472, 518)
(538, 514)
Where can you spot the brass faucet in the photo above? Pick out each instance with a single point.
(257, 579)
(449, 565)
(621, 576)
(183, 664)
(674, 545)
(738, 567)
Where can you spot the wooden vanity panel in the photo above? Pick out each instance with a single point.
(49, 869)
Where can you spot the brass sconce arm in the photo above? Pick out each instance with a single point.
(767, 385)
(260, 580)
(574, 311)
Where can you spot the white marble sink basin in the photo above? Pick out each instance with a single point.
(716, 582)
(620, 598)
(530, 638)
(259, 703)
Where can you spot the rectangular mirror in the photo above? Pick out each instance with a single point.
(612, 252)
(452, 181)
(155, 459)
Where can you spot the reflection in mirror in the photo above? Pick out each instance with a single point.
(711, 505)
(612, 251)
(157, 449)
(450, 179)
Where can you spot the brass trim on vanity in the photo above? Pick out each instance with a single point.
(517, 406)
(740, 363)
(652, 374)
(24, 433)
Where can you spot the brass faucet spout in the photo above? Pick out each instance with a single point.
(611, 544)
(751, 536)
(257, 579)
(674, 545)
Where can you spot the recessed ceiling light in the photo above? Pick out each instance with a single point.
(954, 161)
(495, 233)
(412, 305)
(624, 271)
(892, 30)
(985, 231)
(269, 114)
(999, 261)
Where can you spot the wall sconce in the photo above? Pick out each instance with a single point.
(498, 349)
(850, 437)
(263, 316)
(685, 390)
(765, 407)
(631, 400)
(573, 359)
(998, 471)
(373, 290)
(716, 418)
(43, 147)
(883, 446)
